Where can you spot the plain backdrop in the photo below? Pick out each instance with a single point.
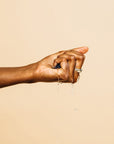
(48, 113)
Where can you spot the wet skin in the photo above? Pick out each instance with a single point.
(44, 70)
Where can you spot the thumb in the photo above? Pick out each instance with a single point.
(82, 50)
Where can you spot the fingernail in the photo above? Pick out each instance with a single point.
(85, 49)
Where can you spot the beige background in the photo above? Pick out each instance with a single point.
(46, 113)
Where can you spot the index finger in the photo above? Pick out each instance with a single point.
(82, 50)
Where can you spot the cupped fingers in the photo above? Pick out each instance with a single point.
(78, 56)
(71, 62)
(79, 62)
(63, 72)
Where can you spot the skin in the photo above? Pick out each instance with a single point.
(43, 70)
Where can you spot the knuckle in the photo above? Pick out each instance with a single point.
(66, 52)
(72, 57)
(63, 59)
(56, 60)
(72, 51)
(82, 57)
(59, 56)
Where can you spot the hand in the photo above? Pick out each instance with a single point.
(68, 59)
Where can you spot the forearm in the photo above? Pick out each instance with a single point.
(15, 75)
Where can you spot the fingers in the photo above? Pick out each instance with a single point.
(79, 62)
(74, 60)
(82, 50)
(78, 56)
(63, 72)
(52, 57)
(55, 55)
(71, 65)
(62, 61)
(68, 64)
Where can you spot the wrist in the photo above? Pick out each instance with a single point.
(29, 73)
